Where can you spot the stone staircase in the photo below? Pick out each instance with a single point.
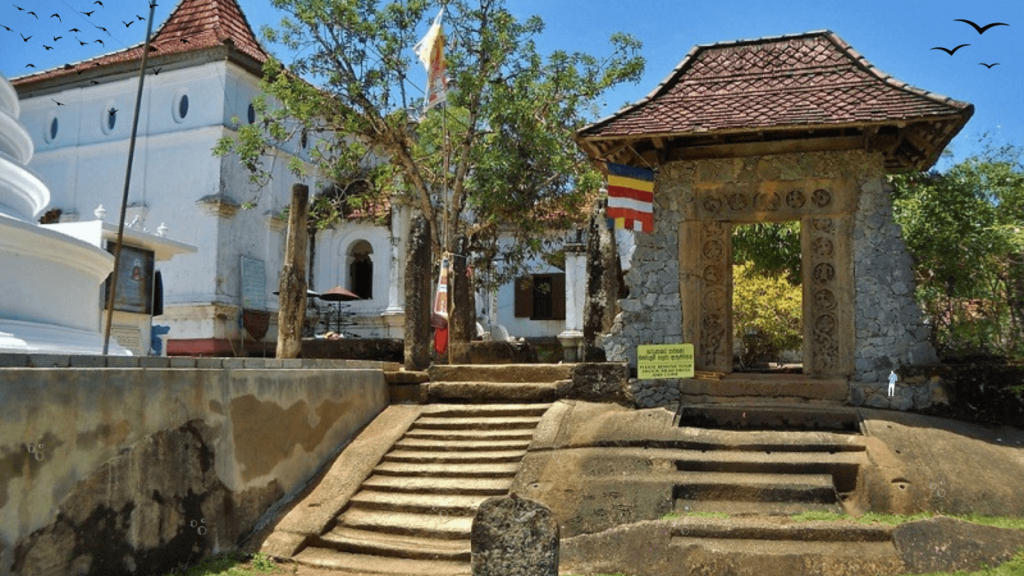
(413, 515)
(498, 383)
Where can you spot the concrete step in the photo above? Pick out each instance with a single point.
(363, 564)
(354, 540)
(500, 372)
(482, 423)
(768, 386)
(431, 445)
(741, 508)
(755, 487)
(769, 416)
(431, 525)
(469, 457)
(842, 466)
(469, 434)
(448, 470)
(477, 410)
(476, 392)
(449, 504)
(490, 486)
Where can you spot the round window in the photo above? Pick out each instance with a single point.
(52, 132)
(252, 114)
(183, 106)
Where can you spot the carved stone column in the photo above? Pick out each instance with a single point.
(828, 293)
(714, 347)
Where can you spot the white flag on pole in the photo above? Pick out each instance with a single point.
(430, 51)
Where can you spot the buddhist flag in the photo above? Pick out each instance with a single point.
(430, 51)
(630, 197)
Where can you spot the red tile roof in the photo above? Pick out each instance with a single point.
(203, 23)
(802, 80)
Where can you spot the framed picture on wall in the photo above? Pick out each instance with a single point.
(134, 281)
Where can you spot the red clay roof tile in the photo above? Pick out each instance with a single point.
(783, 81)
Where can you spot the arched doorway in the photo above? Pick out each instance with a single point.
(360, 269)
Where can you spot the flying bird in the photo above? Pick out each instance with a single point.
(23, 37)
(8, 29)
(34, 14)
(183, 41)
(140, 17)
(30, 65)
(127, 24)
(55, 38)
(58, 103)
(156, 71)
(102, 28)
(47, 47)
(20, 9)
(112, 111)
(88, 13)
(74, 30)
(57, 16)
(98, 2)
(948, 51)
(93, 82)
(989, 66)
(153, 4)
(981, 29)
(101, 43)
(80, 43)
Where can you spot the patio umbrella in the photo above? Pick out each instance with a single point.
(339, 295)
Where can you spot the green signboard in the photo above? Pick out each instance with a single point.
(659, 361)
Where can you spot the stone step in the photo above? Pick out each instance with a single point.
(469, 434)
(482, 423)
(842, 466)
(440, 504)
(409, 523)
(500, 372)
(768, 386)
(760, 529)
(354, 540)
(448, 470)
(478, 392)
(489, 486)
(468, 410)
(769, 416)
(469, 457)
(431, 445)
(363, 564)
(755, 487)
(741, 508)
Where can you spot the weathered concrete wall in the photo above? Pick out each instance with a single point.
(143, 469)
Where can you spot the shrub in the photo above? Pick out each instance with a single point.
(767, 314)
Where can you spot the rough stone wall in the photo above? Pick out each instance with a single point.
(890, 331)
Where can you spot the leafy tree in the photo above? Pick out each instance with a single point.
(965, 230)
(499, 160)
(767, 313)
(772, 249)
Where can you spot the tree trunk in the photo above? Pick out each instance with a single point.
(461, 319)
(418, 297)
(293, 277)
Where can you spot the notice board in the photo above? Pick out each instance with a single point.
(660, 361)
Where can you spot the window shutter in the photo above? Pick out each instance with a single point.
(558, 296)
(524, 297)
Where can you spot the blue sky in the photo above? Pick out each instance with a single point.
(895, 35)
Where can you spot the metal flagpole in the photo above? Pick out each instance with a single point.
(127, 183)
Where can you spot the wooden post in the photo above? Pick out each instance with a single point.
(293, 277)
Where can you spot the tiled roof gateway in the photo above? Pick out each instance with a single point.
(798, 81)
(202, 23)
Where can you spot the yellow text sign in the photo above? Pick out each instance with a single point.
(656, 361)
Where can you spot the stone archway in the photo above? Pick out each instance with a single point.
(825, 209)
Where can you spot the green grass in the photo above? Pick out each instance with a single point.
(1013, 522)
(230, 564)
